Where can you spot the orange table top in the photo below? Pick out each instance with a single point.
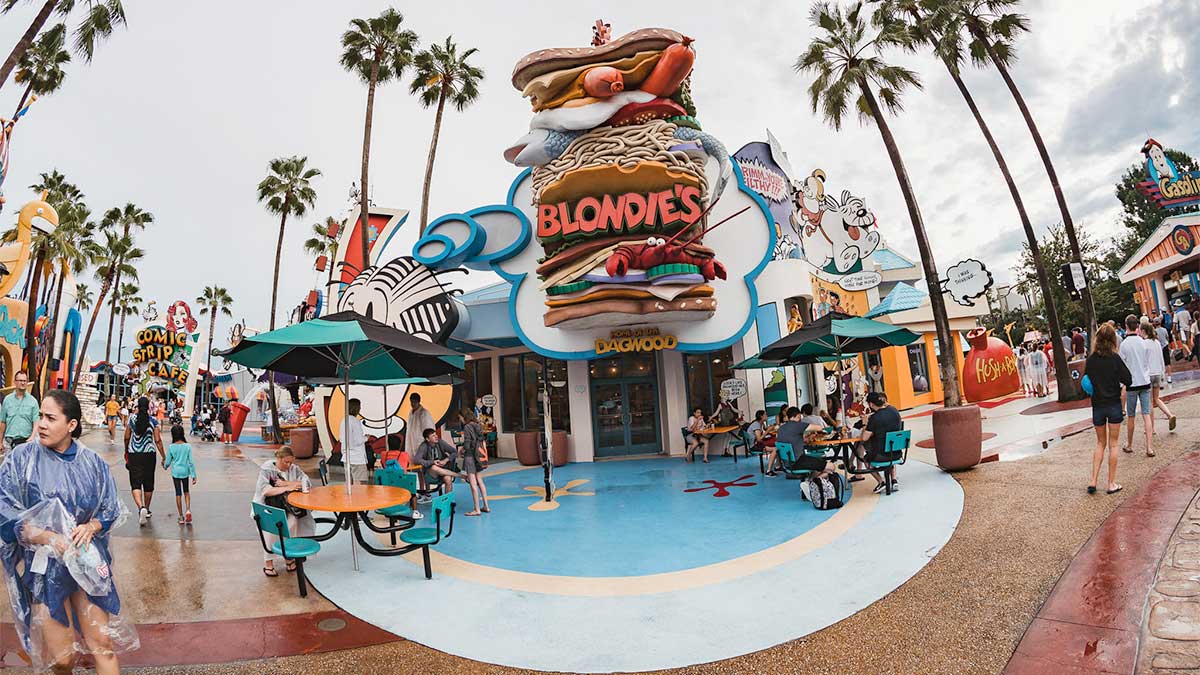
(334, 498)
(831, 442)
(717, 430)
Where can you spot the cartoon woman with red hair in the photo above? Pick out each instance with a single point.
(179, 318)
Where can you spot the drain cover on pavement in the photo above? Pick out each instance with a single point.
(331, 625)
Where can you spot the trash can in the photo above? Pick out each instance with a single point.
(237, 418)
(303, 442)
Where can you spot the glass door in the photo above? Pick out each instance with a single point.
(626, 417)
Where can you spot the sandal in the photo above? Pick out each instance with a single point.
(1149, 453)
(471, 513)
(1129, 450)
(291, 567)
(270, 571)
(1116, 489)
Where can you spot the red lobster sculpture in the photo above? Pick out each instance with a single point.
(657, 251)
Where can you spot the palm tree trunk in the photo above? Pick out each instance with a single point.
(212, 326)
(437, 128)
(121, 337)
(87, 337)
(31, 320)
(112, 314)
(1089, 309)
(366, 160)
(947, 365)
(274, 297)
(26, 40)
(24, 97)
(52, 326)
(1061, 372)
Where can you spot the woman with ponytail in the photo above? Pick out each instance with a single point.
(141, 440)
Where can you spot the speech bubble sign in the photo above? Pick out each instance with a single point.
(488, 400)
(120, 369)
(967, 281)
(733, 388)
(860, 281)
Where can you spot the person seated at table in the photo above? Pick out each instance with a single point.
(276, 478)
(760, 436)
(810, 418)
(792, 432)
(695, 424)
(436, 458)
(882, 420)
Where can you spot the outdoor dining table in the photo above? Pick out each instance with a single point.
(842, 447)
(713, 431)
(351, 508)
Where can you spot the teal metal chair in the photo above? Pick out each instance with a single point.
(787, 458)
(274, 521)
(394, 476)
(895, 442)
(442, 512)
(740, 439)
(748, 443)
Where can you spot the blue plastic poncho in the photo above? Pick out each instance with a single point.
(47, 490)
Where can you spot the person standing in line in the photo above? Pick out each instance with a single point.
(112, 413)
(472, 462)
(141, 440)
(179, 461)
(1078, 343)
(1022, 355)
(1135, 352)
(1157, 371)
(1183, 323)
(1037, 372)
(419, 419)
(354, 445)
(1163, 336)
(1108, 373)
(18, 412)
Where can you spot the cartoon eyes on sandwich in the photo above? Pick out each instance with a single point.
(655, 241)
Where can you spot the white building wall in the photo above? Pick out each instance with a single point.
(580, 442)
(673, 412)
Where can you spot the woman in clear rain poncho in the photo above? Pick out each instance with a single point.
(58, 503)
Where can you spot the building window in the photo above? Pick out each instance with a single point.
(705, 373)
(521, 377)
(918, 367)
(477, 382)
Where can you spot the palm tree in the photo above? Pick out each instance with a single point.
(992, 34)
(941, 30)
(124, 218)
(214, 299)
(71, 248)
(846, 59)
(117, 256)
(378, 51)
(98, 20)
(40, 69)
(322, 243)
(442, 75)
(287, 191)
(129, 303)
(84, 297)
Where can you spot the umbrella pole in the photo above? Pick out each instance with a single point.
(346, 458)
(841, 399)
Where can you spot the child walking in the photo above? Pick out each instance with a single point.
(179, 460)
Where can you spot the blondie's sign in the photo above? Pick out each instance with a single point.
(629, 214)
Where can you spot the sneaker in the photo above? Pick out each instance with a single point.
(143, 516)
(188, 516)
(879, 487)
(417, 515)
(180, 520)
(1171, 424)
(425, 499)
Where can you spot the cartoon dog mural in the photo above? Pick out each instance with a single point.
(844, 235)
(403, 294)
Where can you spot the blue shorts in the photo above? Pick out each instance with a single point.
(1134, 398)
(1109, 413)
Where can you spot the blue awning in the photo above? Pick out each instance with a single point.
(903, 297)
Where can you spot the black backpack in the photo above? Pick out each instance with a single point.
(825, 492)
(223, 415)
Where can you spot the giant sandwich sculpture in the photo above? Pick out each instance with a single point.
(622, 182)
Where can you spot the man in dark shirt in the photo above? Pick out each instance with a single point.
(1078, 343)
(792, 432)
(882, 420)
(436, 456)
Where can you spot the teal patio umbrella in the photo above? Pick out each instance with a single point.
(827, 339)
(347, 348)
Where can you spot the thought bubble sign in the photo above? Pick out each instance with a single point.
(967, 281)
(733, 388)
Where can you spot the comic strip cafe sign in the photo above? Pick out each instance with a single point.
(636, 340)
(156, 348)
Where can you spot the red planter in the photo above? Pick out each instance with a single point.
(957, 437)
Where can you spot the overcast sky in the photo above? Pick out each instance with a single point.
(180, 113)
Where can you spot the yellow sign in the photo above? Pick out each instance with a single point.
(635, 340)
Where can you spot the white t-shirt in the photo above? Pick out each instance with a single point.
(1156, 365)
(1184, 318)
(1135, 352)
(418, 421)
(354, 442)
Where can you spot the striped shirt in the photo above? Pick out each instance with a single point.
(143, 442)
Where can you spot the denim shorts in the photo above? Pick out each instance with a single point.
(1132, 400)
(1109, 413)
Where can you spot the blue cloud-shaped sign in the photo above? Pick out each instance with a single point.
(497, 237)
